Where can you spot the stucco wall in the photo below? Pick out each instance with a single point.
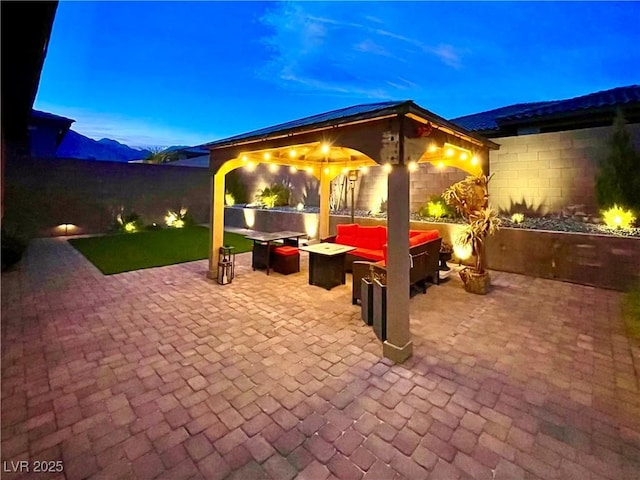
(547, 172)
(41, 194)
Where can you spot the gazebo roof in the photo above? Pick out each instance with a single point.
(353, 114)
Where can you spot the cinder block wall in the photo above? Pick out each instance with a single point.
(547, 172)
(42, 194)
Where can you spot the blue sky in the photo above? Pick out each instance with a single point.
(166, 73)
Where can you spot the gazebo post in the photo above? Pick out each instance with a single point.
(398, 346)
(325, 193)
(216, 228)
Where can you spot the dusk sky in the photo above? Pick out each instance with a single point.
(167, 73)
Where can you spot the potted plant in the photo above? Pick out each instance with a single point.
(470, 198)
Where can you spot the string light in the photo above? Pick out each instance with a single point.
(440, 164)
(292, 153)
(464, 156)
(250, 166)
(326, 170)
(267, 155)
(325, 148)
(387, 167)
(293, 169)
(273, 168)
(449, 152)
(413, 166)
(244, 158)
(432, 148)
(474, 160)
(309, 169)
(364, 169)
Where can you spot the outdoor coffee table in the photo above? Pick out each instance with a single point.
(326, 264)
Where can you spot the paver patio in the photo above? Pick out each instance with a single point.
(161, 373)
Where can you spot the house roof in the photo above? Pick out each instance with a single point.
(369, 111)
(529, 113)
(39, 115)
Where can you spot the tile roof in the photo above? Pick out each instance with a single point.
(523, 112)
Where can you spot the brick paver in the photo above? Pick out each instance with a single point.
(161, 373)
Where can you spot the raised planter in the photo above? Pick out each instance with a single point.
(604, 261)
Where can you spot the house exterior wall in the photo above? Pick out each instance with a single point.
(548, 172)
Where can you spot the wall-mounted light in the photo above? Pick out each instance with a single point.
(65, 228)
(353, 175)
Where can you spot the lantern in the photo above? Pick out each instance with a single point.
(226, 265)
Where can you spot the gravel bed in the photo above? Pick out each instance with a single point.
(552, 223)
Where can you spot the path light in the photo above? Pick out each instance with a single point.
(413, 166)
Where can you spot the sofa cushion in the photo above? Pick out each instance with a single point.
(368, 253)
(347, 234)
(371, 237)
(423, 237)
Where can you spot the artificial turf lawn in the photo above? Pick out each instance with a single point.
(631, 311)
(133, 251)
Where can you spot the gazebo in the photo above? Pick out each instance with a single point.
(394, 135)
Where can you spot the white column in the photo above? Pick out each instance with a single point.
(398, 346)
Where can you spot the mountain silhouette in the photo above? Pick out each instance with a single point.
(76, 145)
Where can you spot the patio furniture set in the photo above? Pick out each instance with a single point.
(355, 248)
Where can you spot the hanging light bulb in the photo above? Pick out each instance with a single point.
(273, 168)
(293, 169)
(449, 152)
(474, 160)
(309, 169)
(325, 148)
(432, 148)
(292, 153)
(464, 156)
(413, 166)
(327, 170)
(267, 155)
(244, 158)
(250, 166)
(440, 164)
(387, 167)
(364, 169)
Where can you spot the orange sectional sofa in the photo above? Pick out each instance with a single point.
(371, 241)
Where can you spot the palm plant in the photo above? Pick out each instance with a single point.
(470, 198)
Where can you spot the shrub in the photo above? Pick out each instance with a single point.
(235, 186)
(616, 217)
(127, 222)
(436, 208)
(274, 196)
(517, 218)
(618, 179)
(179, 218)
